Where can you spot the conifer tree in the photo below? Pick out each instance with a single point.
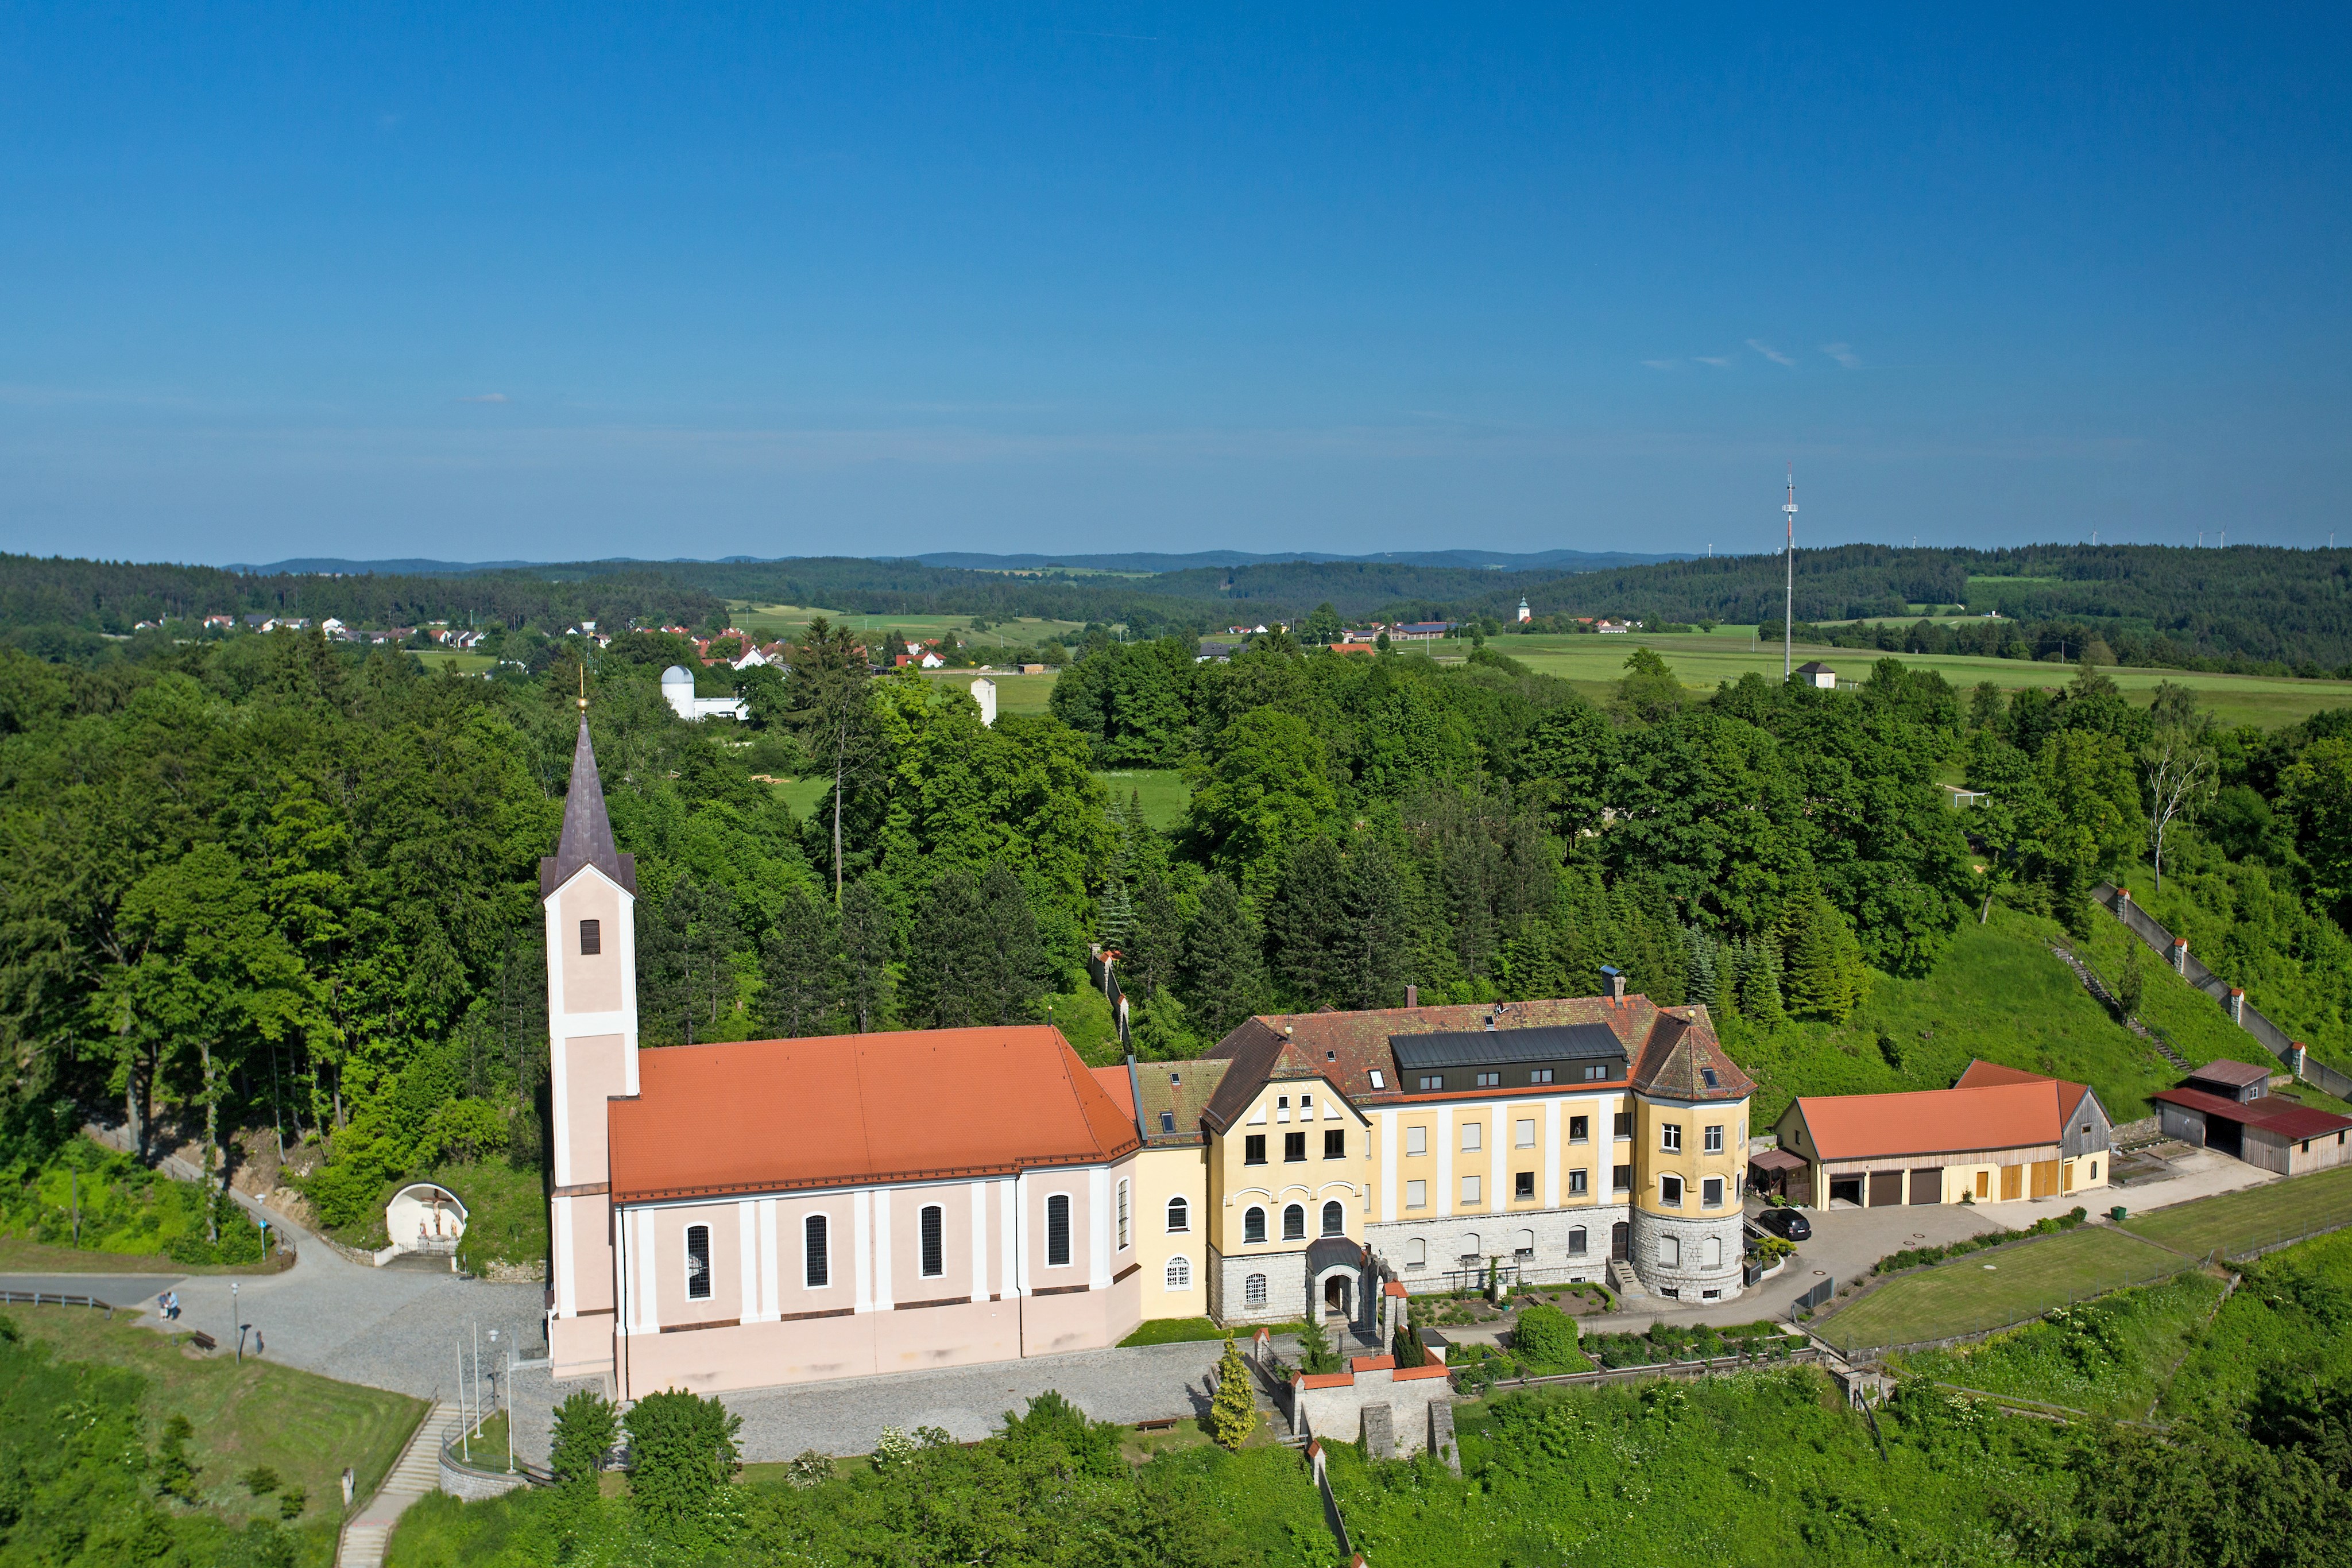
(1759, 983)
(1233, 1414)
(1823, 962)
(1156, 940)
(1701, 950)
(799, 962)
(1221, 978)
(866, 937)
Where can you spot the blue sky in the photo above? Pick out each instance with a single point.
(483, 281)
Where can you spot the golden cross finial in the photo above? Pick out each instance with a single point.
(583, 686)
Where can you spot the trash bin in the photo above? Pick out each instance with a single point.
(2118, 1213)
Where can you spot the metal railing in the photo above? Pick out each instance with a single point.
(55, 1298)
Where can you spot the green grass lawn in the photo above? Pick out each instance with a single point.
(2111, 1357)
(1165, 794)
(21, 1256)
(435, 661)
(1996, 992)
(1985, 1289)
(1015, 694)
(1185, 1330)
(2238, 1221)
(506, 1213)
(1702, 659)
(304, 1427)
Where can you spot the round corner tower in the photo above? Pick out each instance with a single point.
(1690, 1160)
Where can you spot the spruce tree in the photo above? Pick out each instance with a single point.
(1021, 975)
(867, 937)
(1822, 961)
(1759, 983)
(800, 961)
(1233, 1414)
(1221, 977)
(1700, 951)
(1156, 941)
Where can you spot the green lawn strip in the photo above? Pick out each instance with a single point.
(1184, 1331)
(1163, 793)
(2289, 1311)
(2190, 1020)
(2108, 1357)
(20, 1256)
(2233, 1222)
(1996, 992)
(304, 1427)
(1985, 1290)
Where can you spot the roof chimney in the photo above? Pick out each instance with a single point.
(1616, 982)
(1412, 994)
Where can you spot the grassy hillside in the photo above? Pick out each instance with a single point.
(1998, 993)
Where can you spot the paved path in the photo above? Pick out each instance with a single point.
(417, 1472)
(114, 1290)
(846, 1415)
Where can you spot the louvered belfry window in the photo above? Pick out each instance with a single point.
(592, 939)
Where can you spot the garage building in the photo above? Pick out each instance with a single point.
(1997, 1136)
(2227, 1106)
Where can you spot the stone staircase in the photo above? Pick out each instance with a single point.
(2097, 987)
(417, 1471)
(1625, 1283)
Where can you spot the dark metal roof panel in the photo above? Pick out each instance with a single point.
(1475, 1047)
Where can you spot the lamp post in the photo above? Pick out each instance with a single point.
(234, 1317)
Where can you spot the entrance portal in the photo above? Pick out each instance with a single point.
(1620, 1242)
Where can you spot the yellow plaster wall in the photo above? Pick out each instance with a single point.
(1651, 1160)
(1235, 1185)
(1161, 1175)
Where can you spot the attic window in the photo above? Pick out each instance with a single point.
(1167, 1121)
(1330, 1056)
(1378, 1082)
(1708, 1074)
(1175, 1078)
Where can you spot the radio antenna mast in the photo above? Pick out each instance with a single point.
(1789, 610)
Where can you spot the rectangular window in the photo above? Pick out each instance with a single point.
(697, 1262)
(1670, 1137)
(1294, 1147)
(1523, 1133)
(1433, 1081)
(935, 1250)
(592, 939)
(1596, 1075)
(1670, 1191)
(1167, 1121)
(1523, 1185)
(1576, 1184)
(1539, 1075)
(1621, 1178)
(1306, 1107)
(816, 1270)
(1715, 1140)
(1253, 1149)
(1122, 1216)
(1490, 1081)
(1335, 1144)
(1058, 1232)
(1623, 1126)
(1576, 1242)
(1710, 1193)
(1471, 1133)
(1416, 1253)
(1670, 1251)
(1416, 1140)
(1470, 1190)
(1416, 1195)
(1378, 1080)
(1579, 1129)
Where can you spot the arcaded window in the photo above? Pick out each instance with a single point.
(697, 1262)
(934, 1262)
(817, 1267)
(1335, 1219)
(1524, 1244)
(1670, 1191)
(1254, 1225)
(1293, 1222)
(592, 939)
(1253, 1291)
(1180, 1217)
(1416, 1253)
(1180, 1273)
(1058, 1232)
(1715, 1251)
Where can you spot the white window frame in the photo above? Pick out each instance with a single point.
(1670, 1191)
(1416, 1192)
(1069, 1230)
(1576, 1137)
(1473, 1137)
(1523, 1133)
(1714, 1138)
(1168, 1276)
(1416, 1139)
(1576, 1180)
(1670, 1251)
(1670, 1137)
(1179, 1216)
(1472, 1191)
(1123, 1242)
(709, 1266)
(823, 1254)
(1416, 1252)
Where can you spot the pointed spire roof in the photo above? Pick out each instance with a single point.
(587, 836)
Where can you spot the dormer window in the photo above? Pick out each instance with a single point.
(592, 939)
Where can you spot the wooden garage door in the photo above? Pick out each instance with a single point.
(2046, 1178)
(1886, 1189)
(1928, 1185)
(2012, 1182)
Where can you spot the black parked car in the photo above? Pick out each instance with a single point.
(1785, 1223)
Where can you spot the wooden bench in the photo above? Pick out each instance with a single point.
(1165, 1423)
(203, 1340)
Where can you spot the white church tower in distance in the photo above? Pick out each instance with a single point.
(590, 891)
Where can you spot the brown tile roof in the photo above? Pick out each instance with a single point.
(1184, 1088)
(2236, 1074)
(772, 1115)
(1347, 1048)
(2277, 1117)
(1935, 1120)
(1982, 1074)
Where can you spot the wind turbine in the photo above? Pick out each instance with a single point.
(1789, 610)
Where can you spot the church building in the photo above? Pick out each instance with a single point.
(744, 1214)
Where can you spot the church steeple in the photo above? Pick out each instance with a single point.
(587, 836)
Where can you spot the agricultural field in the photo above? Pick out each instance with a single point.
(1981, 1290)
(770, 621)
(1703, 659)
(1015, 694)
(436, 660)
(1164, 791)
